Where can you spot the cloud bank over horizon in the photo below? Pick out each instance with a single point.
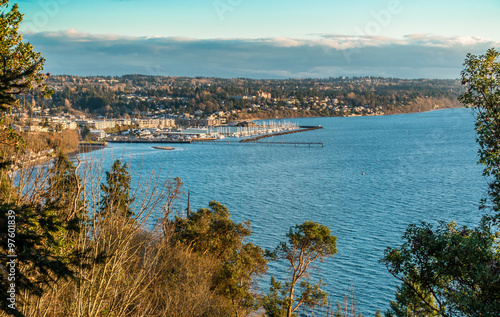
(323, 55)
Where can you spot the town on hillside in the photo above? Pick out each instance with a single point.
(139, 105)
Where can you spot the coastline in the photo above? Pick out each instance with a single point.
(41, 160)
(278, 115)
(85, 148)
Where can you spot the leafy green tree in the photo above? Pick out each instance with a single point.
(20, 66)
(115, 197)
(307, 243)
(481, 76)
(11, 144)
(275, 302)
(43, 228)
(211, 232)
(85, 133)
(236, 278)
(408, 303)
(449, 270)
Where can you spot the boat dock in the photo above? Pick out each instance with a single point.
(268, 143)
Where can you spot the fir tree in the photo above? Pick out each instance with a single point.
(116, 192)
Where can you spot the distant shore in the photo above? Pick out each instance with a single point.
(288, 114)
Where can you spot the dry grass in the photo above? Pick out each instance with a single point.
(128, 268)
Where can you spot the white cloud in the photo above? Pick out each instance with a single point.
(323, 55)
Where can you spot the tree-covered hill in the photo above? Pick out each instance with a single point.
(140, 94)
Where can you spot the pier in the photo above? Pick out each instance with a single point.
(268, 143)
(302, 129)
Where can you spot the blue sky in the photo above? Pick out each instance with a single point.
(261, 39)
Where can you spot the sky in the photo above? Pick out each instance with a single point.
(260, 39)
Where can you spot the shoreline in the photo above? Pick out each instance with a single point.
(85, 149)
(278, 117)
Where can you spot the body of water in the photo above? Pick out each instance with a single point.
(373, 177)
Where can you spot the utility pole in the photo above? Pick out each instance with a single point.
(188, 209)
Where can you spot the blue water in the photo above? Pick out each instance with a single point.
(417, 167)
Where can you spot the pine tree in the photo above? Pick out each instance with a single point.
(20, 73)
(116, 192)
(20, 66)
(42, 236)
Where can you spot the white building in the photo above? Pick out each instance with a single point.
(97, 134)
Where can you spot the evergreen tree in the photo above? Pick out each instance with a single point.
(20, 73)
(42, 236)
(20, 66)
(116, 192)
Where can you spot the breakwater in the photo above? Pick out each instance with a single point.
(302, 129)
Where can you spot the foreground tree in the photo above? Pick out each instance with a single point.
(307, 243)
(40, 232)
(42, 235)
(446, 271)
(211, 232)
(481, 76)
(20, 73)
(20, 66)
(408, 303)
(449, 270)
(116, 191)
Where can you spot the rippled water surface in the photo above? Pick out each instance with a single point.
(373, 177)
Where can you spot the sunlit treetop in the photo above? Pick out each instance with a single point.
(20, 66)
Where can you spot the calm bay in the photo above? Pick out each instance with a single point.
(373, 177)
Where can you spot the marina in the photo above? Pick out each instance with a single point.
(224, 135)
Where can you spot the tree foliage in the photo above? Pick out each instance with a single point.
(307, 243)
(20, 73)
(481, 76)
(45, 233)
(408, 303)
(20, 66)
(116, 191)
(449, 270)
(211, 232)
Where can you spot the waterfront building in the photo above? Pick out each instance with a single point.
(97, 134)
